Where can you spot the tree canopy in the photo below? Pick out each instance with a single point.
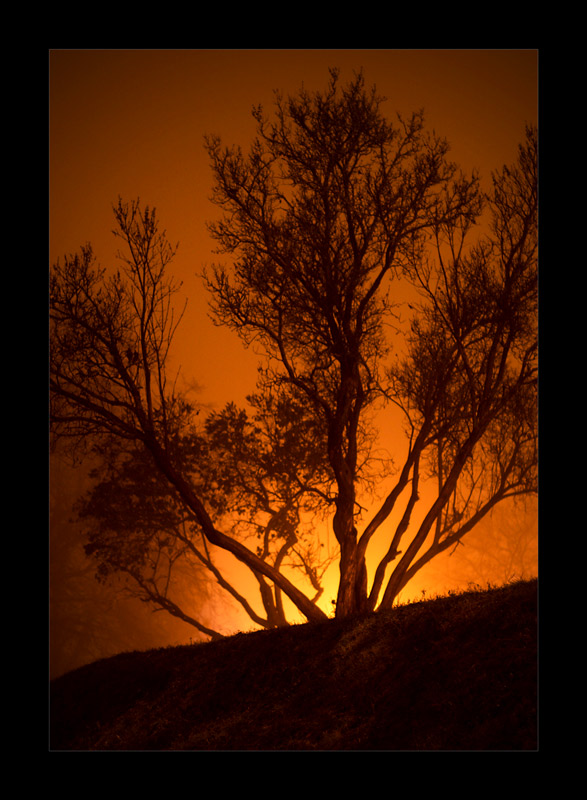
(372, 275)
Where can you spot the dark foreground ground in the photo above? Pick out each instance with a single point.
(455, 673)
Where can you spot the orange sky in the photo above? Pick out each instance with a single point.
(131, 123)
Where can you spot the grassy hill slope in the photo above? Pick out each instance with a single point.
(454, 673)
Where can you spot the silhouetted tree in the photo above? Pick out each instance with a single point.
(330, 209)
(110, 336)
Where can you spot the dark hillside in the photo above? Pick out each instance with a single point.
(454, 673)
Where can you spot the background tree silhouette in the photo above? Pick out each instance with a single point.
(333, 212)
(92, 619)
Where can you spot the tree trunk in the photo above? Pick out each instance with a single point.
(352, 588)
